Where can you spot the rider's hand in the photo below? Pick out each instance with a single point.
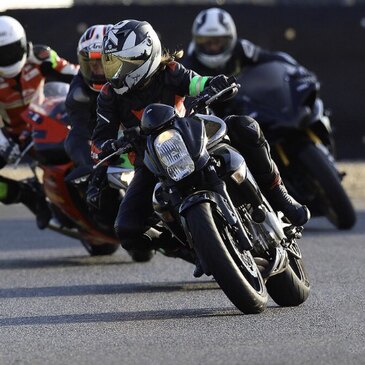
(221, 82)
(218, 83)
(107, 148)
(9, 150)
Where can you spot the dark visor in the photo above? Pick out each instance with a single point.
(12, 53)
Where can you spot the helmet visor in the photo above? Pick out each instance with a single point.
(12, 53)
(117, 68)
(91, 67)
(212, 45)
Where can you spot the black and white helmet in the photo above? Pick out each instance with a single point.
(13, 47)
(214, 37)
(131, 54)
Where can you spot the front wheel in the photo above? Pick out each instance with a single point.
(291, 287)
(234, 269)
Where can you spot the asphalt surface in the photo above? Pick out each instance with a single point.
(60, 306)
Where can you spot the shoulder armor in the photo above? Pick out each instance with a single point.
(80, 95)
(249, 48)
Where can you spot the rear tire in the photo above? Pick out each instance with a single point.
(334, 201)
(291, 287)
(243, 285)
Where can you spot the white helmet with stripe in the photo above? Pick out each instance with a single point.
(13, 47)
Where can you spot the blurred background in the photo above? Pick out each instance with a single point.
(326, 36)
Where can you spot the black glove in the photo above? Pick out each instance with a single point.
(98, 182)
(221, 82)
(9, 150)
(218, 83)
(107, 148)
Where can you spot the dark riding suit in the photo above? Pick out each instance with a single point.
(244, 54)
(81, 103)
(81, 110)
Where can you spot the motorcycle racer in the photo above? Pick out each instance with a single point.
(24, 68)
(215, 49)
(139, 74)
(81, 105)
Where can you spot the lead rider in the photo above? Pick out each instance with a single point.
(139, 74)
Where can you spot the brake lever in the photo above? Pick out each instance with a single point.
(24, 152)
(222, 92)
(123, 148)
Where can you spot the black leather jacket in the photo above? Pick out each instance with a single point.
(81, 104)
(245, 53)
(169, 86)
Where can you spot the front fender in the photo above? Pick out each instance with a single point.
(220, 205)
(212, 197)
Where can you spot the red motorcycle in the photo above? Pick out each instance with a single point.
(64, 186)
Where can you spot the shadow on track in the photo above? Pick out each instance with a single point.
(119, 316)
(77, 290)
(37, 263)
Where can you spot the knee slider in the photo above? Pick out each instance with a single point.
(244, 129)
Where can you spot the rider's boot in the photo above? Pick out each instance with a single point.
(281, 200)
(28, 193)
(247, 136)
(274, 189)
(32, 196)
(139, 248)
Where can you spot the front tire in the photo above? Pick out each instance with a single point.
(235, 271)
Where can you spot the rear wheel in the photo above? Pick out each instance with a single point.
(291, 287)
(333, 199)
(234, 269)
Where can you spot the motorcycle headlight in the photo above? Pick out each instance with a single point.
(173, 154)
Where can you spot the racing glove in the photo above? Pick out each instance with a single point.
(9, 150)
(221, 82)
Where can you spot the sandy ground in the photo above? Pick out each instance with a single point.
(354, 181)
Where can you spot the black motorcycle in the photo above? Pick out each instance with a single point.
(207, 197)
(286, 102)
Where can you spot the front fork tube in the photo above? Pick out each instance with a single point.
(228, 209)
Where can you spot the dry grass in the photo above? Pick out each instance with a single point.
(354, 180)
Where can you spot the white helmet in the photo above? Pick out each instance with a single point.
(89, 55)
(13, 47)
(214, 37)
(131, 54)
